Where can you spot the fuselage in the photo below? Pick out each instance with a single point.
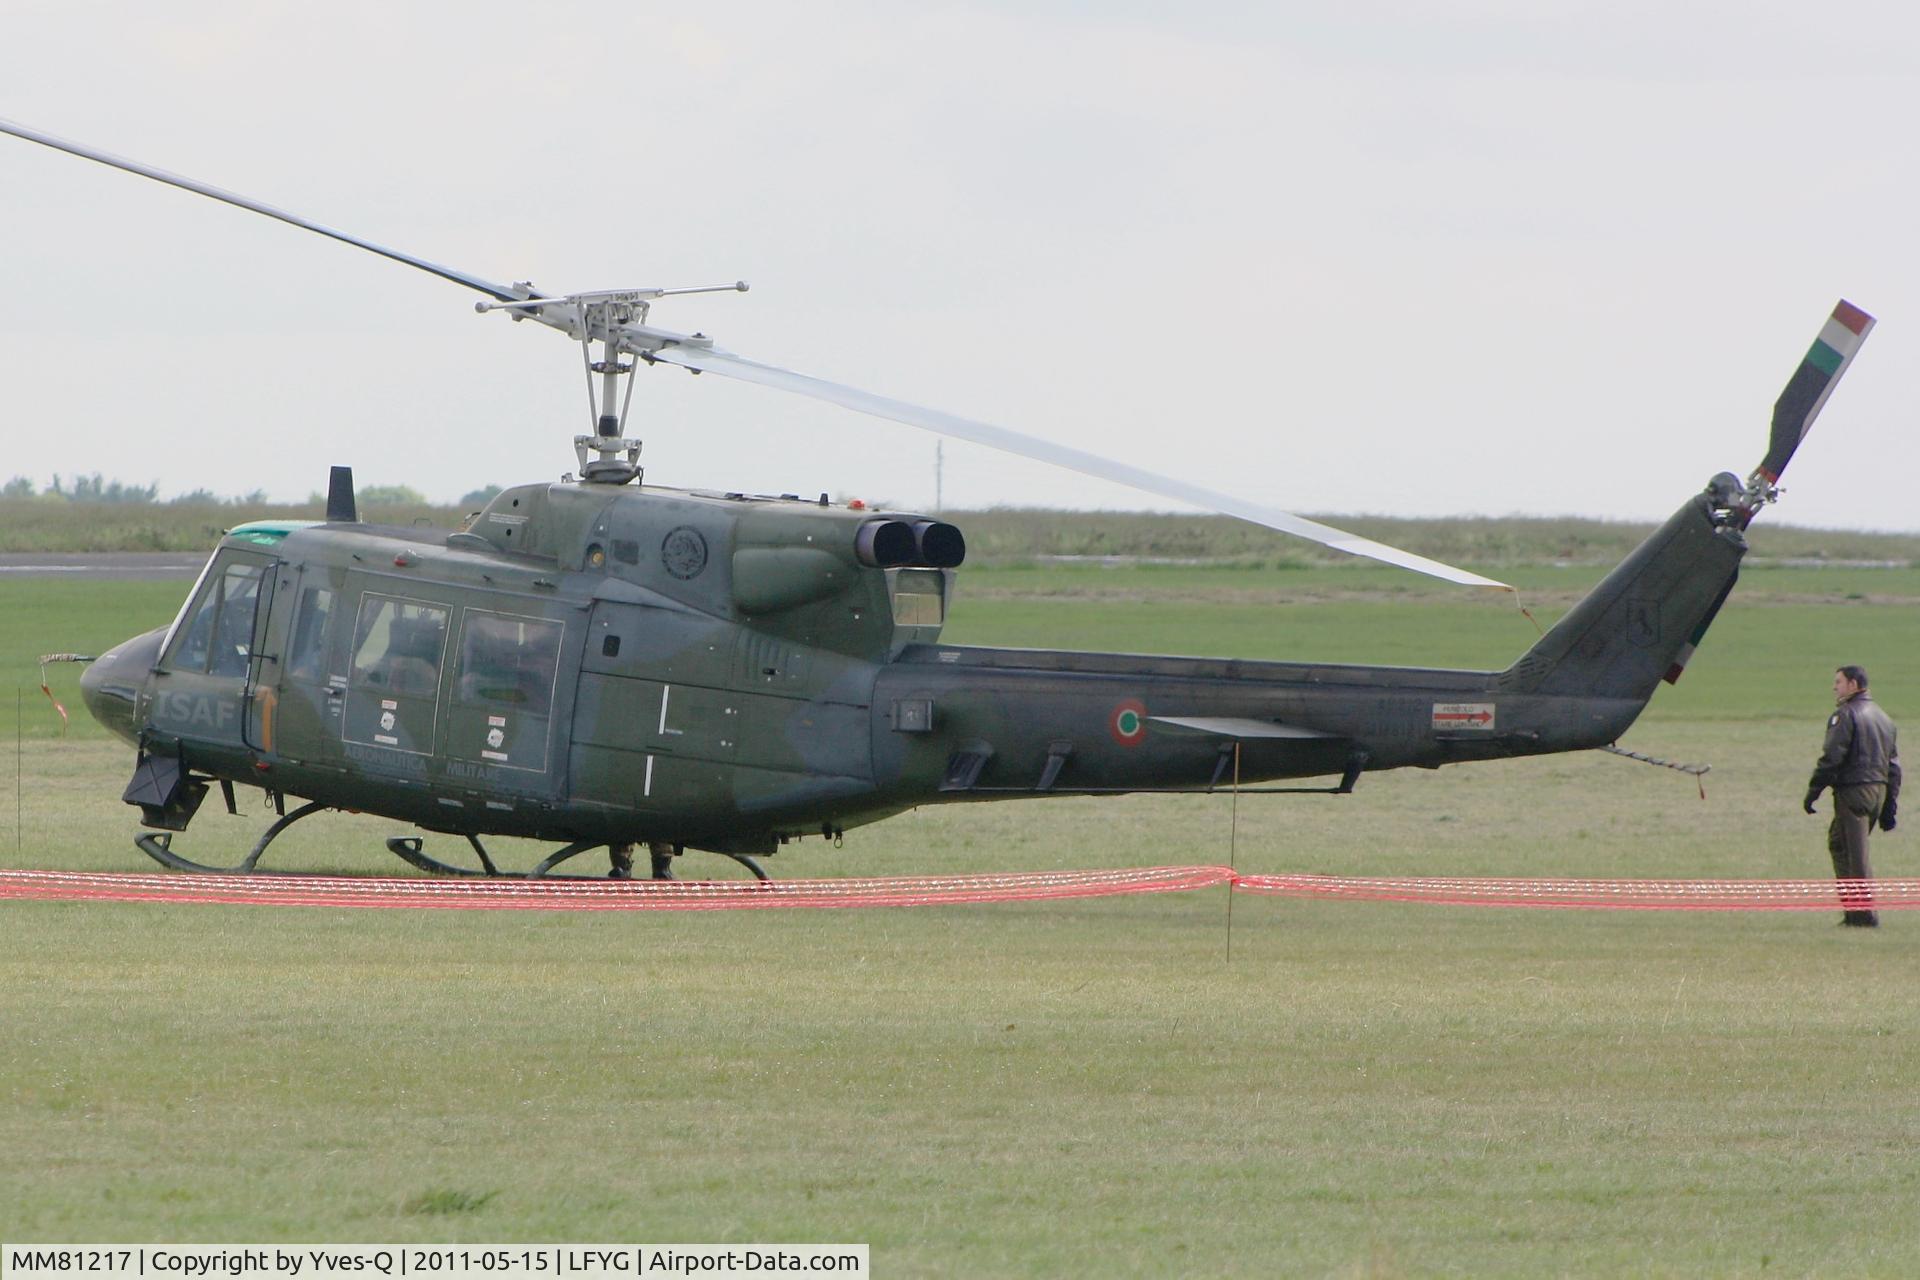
(628, 665)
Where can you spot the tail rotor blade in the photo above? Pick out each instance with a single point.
(1811, 384)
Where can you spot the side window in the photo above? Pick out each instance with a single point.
(219, 631)
(397, 646)
(508, 662)
(308, 652)
(503, 691)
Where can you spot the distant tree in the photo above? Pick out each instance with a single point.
(479, 497)
(208, 498)
(391, 495)
(96, 488)
(18, 487)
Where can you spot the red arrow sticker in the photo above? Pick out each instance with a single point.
(1463, 715)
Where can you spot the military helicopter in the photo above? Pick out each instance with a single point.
(601, 663)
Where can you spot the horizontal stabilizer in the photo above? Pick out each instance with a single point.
(1240, 727)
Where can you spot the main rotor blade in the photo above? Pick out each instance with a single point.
(1807, 391)
(727, 364)
(500, 291)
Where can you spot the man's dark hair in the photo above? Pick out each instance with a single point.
(1856, 674)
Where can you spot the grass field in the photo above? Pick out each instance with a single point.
(1067, 1088)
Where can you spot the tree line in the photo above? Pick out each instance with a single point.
(97, 488)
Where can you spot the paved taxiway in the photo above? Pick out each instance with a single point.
(147, 565)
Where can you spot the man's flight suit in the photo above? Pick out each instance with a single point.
(1861, 762)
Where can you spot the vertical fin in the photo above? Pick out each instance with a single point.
(1685, 655)
(1642, 619)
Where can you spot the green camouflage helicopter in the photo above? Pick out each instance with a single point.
(601, 663)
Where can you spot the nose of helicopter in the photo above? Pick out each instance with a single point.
(111, 685)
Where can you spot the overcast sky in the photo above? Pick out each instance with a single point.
(1404, 258)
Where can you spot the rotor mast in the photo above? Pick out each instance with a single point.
(613, 318)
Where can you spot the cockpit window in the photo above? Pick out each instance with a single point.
(218, 633)
(308, 652)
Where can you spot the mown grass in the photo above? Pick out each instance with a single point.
(1054, 1088)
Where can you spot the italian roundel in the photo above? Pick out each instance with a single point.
(1128, 723)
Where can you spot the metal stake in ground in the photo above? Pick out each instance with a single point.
(1233, 836)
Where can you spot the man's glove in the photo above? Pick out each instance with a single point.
(1813, 793)
(1888, 812)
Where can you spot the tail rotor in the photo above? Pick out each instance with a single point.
(1805, 395)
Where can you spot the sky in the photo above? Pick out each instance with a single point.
(1395, 258)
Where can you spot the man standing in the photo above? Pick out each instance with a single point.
(1861, 762)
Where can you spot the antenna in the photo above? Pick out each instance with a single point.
(340, 504)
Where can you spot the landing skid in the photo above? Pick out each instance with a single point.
(410, 850)
(158, 845)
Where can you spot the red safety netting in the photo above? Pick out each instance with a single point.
(920, 891)
(600, 895)
(1643, 895)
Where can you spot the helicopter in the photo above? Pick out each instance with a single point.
(602, 663)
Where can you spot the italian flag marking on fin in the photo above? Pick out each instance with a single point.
(1839, 338)
(1855, 321)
